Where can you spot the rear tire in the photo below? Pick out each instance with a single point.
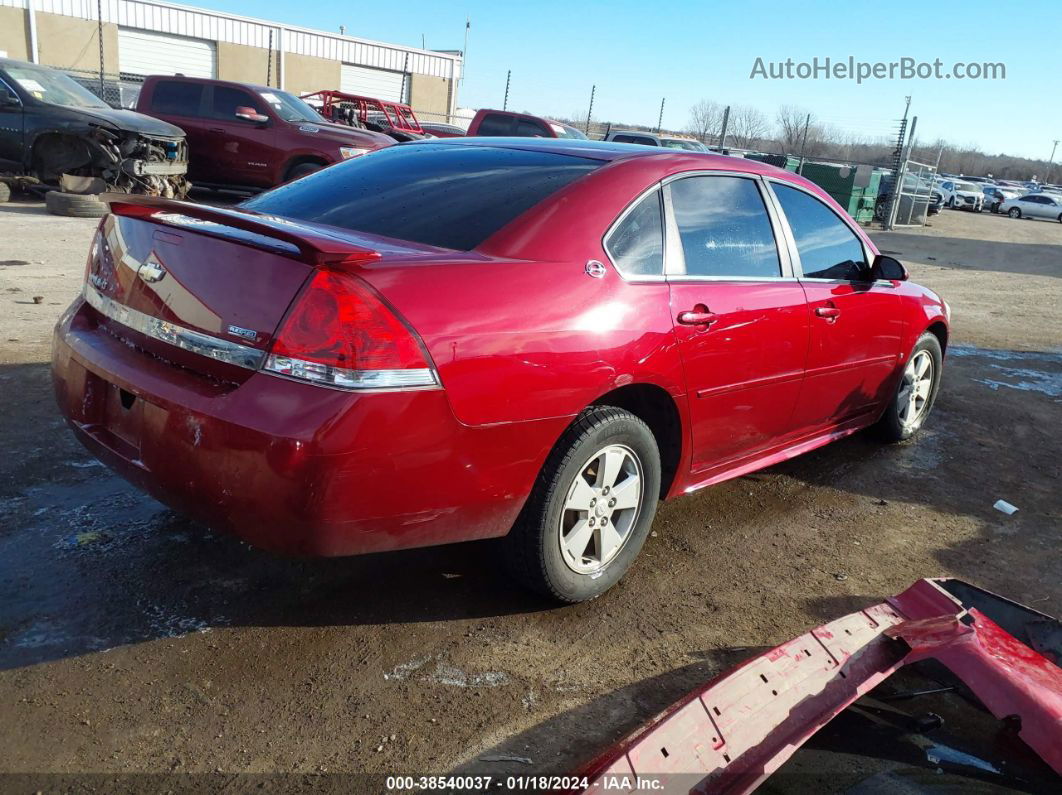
(5, 192)
(915, 393)
(1014, 212)
(590, 509)
(75, 205)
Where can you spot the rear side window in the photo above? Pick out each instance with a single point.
(495, 124)
(636, 246)
(724, 228)
(177, 98)
(828, 248)
(437, 194)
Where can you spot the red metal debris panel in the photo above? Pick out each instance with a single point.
(741, 727)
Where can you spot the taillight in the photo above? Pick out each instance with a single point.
(100, 270)
(340, 334)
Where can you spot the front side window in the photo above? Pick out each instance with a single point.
(8, 94)
(226, 101)
(828, 247)
(173, 97)
(724, 228)
(636, 246)
(531, 129)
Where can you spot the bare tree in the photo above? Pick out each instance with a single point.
(747, 126)
(791, 121)
(705, 119)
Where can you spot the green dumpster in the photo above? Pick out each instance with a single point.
(855, 188)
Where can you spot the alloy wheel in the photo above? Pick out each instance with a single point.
(916, 389)
(600, 509)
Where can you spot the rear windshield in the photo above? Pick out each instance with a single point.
(449, 196)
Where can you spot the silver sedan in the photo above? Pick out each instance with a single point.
(1034, 205)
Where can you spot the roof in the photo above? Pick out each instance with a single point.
(610, 150)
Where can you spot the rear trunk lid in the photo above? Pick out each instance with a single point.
(204, 288)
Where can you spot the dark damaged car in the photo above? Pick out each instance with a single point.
(50, 125)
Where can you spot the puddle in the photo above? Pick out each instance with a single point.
(85, 568)
(1025, 371)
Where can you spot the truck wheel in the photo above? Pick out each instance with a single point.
(590, 510)
(303, 169)
(5, 192)
(76, 205)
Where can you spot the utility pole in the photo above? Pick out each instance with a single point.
(897, 164)
(590, 111)
(660, 118)
(804, 145)
(464, 52)
(99, 35)
(1051, 162)
(269, 57)
(505, 104)
(722, 132)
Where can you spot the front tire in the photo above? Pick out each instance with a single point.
(590, 509)
(916, 392)
(302, 170)
(1014, 212)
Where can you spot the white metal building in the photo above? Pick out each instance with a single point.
(142, 37)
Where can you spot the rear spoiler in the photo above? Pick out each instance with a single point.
(314, 246)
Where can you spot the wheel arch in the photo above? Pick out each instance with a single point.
(654, 406)
(298, 160)
(939, 330)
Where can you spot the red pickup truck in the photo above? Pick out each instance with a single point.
(521, 125)
(248, 136)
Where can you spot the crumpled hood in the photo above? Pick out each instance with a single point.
(132, 121)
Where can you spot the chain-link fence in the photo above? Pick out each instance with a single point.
(119, 90)
(916, 190)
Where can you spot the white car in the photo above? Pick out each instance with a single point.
(1034, 205)
(946, 188)
(968, 196)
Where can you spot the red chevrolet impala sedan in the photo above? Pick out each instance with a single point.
(479, 338)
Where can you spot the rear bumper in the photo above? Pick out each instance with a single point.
(293, 467)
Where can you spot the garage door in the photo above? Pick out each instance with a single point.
(377, 83)
(142, 52)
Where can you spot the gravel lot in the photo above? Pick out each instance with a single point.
(132, 640)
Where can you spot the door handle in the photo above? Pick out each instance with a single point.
(828, 312)
(217, 129)
(698, 316)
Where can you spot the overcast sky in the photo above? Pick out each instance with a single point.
(637, 52)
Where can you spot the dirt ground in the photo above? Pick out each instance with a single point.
(132, 640)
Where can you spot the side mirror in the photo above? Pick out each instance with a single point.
(888, 269)
(250, 114)
(9, 101)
